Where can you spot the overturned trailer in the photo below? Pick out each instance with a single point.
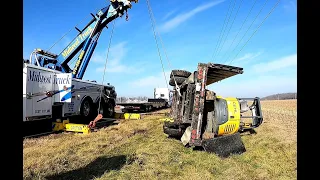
(204, 119)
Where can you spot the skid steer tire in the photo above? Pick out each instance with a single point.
(178, 79)
(170, 125)
(180, 73)
(173, 132)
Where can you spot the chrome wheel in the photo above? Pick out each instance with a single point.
(86, 108)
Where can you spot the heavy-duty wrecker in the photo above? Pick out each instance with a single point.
(203, 119)
(52, 90)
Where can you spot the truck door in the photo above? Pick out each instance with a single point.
(38, 82)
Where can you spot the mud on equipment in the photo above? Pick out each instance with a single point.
(202, 118)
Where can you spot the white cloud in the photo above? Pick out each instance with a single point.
(116, 54)
(168, 14)
(285, 62)
(246, 58)
(259, 81)
(153, 81)
(176, 21)
(260, 86)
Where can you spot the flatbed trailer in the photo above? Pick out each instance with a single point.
(151, 105)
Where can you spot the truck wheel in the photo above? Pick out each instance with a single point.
(179, 80)
(180, 73)
(102, 109)
(86, 109)
(109, 110)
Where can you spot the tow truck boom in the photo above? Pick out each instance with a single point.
(84, 43)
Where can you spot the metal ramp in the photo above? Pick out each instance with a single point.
(218, 72)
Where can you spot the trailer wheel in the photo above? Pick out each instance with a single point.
(180, 73)
(179, 80)
(86, 109)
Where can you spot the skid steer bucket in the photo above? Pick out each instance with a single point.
(224, 146)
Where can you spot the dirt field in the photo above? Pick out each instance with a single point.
(138, 149)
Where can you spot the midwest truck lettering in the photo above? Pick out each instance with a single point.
(78, 63)
(62, 80)
(36, 76)
(76, 42)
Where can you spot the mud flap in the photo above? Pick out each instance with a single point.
(224, 146)
(186, 136)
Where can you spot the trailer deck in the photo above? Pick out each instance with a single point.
(151, 105)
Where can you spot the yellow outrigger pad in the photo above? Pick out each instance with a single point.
(78, 128)
(66, 126)
(132, 116)
(127, 116)
(58, 125)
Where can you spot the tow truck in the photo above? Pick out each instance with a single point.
(52, 90)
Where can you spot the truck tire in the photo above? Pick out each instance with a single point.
(103, 108)
(180, 73)
(87, 109)
(109, 110)
(179, 80)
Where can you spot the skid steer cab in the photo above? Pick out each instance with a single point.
(203, 119)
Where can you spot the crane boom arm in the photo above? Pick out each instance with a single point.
(86, 41)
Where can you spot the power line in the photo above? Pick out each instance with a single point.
(155, 37)
(221, 31)
(247, 29)
(257, 29)
(230, 28)
(162, 44)
(239, 29)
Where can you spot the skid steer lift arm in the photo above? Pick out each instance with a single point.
(84, 43)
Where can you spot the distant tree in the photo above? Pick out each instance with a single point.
(281, 96)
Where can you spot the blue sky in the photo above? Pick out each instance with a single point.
(190, 32)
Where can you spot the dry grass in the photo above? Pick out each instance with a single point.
(138, 149)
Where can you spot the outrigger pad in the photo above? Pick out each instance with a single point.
(224, 146)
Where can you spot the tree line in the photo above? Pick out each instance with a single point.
(281, 96)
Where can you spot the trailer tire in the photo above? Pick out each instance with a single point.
(87, 109)
(180, 73)
(149, 108)
(179, 80)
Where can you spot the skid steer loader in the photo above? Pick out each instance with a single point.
(203, 119)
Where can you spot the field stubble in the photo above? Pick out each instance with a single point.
(138, 149)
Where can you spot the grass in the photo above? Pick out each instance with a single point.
(138, 149)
